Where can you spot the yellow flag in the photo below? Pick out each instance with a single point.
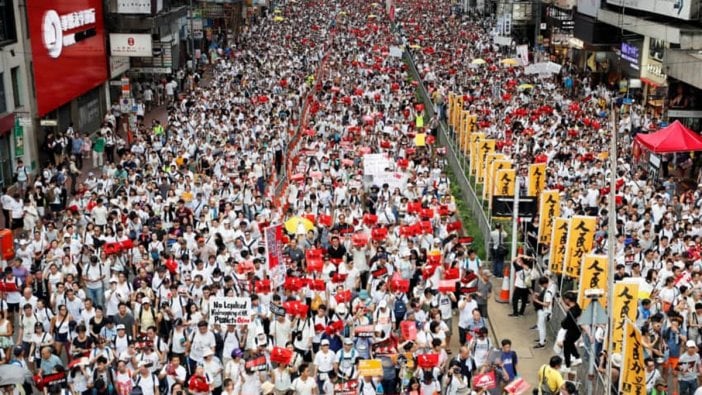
(549, 209)
(625, 306)
(472, 123)
(593, 276)
(537, 179)
(474, 139)
(495, 166)
(485, 148)
(505, 180)
(489, 160)
(559, 245)
(632, 380)
(450, 108)
(581, 238)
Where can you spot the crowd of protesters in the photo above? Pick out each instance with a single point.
(188, 200)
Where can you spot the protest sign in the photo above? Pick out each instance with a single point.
(230, 311)
(370, 367)
(375, 164)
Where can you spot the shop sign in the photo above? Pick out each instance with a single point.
(631, 53)
(69, 54)
(118, 65)
(152, 70)
(133, 6)
(139, 45)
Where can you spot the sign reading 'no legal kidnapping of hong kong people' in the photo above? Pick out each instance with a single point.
(230, 311)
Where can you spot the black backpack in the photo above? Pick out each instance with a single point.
(400, 308)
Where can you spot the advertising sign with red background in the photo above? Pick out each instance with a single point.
(68, 47)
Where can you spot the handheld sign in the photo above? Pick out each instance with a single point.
(230, 311)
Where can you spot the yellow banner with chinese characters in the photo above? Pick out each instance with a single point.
(625, 307)
(549, 209)
(451, 98)
(559, 245)
(458, 107)
(485, 148)
(581, 238)
(593, 276)
(537, 179)
(632, 380)
(475, 138)
(505, 181)
(489, 160)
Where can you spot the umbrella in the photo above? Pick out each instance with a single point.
(277, 11)
(523, 87)
(415, 46)
(478, 61)
(372, 16)
(278, 19)
(294, 223)
(13, 374)
(510, 62)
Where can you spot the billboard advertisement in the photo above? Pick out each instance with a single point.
(68, 48)
(127, 44)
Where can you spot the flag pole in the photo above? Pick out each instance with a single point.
(611, 242)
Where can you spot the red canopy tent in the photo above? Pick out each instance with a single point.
(676, 137)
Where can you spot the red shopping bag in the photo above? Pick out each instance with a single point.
(428, 271)
(434, 259)
(314, 253)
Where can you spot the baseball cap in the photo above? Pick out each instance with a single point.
(324, 342)
(120, 326)
(348, 341)
(691, 343)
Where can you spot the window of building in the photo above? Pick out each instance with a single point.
(3, 101)
(8, 30)
(15, 74)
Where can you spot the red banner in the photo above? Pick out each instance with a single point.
(273, 239)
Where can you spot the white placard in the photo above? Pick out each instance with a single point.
(126, 44)
(375, 164)
(396, 52)
(523, 54)
(393, 179)
(134, 6)
(230, 311)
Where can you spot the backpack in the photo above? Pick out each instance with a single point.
(136, 390)
(400, 308)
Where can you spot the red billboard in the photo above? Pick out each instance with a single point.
(68, 47)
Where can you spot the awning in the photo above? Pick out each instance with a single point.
(7, 122)
(674, 138)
